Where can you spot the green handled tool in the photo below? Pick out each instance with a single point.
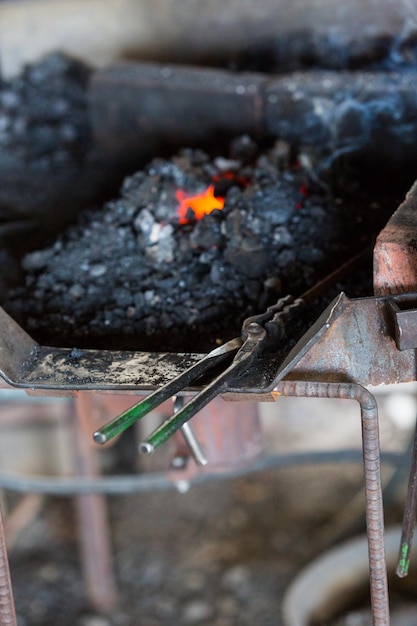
(260, 332)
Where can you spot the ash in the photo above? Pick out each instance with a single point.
(132, 276)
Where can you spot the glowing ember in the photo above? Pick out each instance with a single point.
(202, 203)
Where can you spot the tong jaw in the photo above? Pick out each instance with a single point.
(274, 322)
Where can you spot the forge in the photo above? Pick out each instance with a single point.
(155, 216)
(192, 247)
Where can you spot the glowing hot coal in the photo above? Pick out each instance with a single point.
(201, 204)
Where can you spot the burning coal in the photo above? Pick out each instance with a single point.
(154, 270)
(199, 204)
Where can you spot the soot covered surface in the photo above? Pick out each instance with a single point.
(131, 275)
(333, 50)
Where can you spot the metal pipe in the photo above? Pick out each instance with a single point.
(372, 472)
(123, 484)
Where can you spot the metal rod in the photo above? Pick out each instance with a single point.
(190, 436)
(21, 516)
(372, 472)
(93, 527)
(409, 516)
(7, 608)
(194, 445)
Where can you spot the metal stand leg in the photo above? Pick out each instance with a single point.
(93, 527)
(7, 609)
(373, 486)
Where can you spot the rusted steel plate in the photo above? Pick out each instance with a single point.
(358, 347)
(395, 252)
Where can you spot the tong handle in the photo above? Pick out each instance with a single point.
(142, 408)
(256, 338)
(177, 421)
(409, 516)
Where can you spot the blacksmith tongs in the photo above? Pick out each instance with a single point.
(260, 333)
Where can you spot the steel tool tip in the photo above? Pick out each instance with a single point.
(99, 437)
(146, 448)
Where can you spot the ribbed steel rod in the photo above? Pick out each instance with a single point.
(372, 472)
(7, 609)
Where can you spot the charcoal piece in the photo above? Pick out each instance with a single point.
(207, 234)
(274, 202)
(247, 256)
(282, 236)
(76, 291)
(217, 272)
(160, 249)
(243, 148)
(122, 297)
(37, 260)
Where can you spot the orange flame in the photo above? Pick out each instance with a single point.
(202, 203)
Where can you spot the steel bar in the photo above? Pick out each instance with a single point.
(372, 472)
(189, 435)
(7, 608)
(409, 516)
(93, 527)
(21, 516)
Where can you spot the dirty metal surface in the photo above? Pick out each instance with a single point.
(358, 347)
(16, 347)
(72, 369)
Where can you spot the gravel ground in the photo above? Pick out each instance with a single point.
(221, 554)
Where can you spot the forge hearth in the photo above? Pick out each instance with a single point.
(144, 272)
